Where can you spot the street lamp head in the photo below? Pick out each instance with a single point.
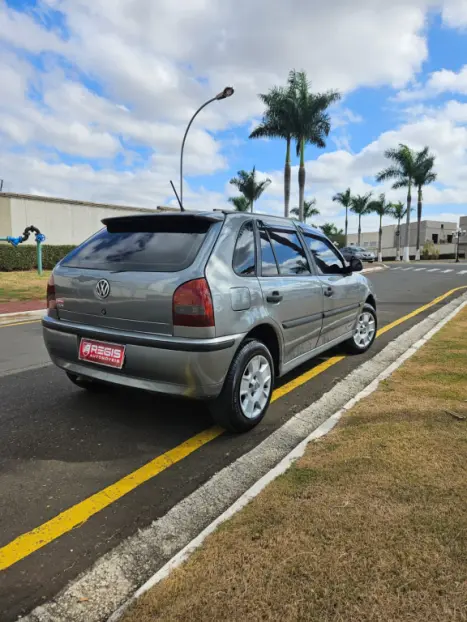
(227, 92)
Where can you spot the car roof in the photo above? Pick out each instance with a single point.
(217, 215)
(272, 219)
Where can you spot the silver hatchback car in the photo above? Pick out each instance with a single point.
(213, 305)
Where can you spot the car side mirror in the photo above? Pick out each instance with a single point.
(355, 264)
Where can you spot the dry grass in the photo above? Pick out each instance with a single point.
(370, 525)
(22, 286)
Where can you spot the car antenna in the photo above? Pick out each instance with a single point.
(178, 198)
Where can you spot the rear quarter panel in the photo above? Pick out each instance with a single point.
(238, 301)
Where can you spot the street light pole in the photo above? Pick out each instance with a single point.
(227, 92)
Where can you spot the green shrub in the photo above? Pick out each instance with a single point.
(24, 257)
(430, 251)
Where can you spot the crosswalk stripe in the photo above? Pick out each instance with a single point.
(463, 272)
(419, 269)
(433, 270)
(444, 271)
(405, 269)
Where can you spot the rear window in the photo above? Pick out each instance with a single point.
(136, 247)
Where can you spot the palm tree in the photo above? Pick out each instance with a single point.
(359, 205)
(249, 186)
(382, 208)
(308, 210)
(398, 211)
(424, 175)
(345, 199)
(402, 171)
(240, 203)
(333, 233)
(277, 123)
(310, 122)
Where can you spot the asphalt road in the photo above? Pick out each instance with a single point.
(59, 445)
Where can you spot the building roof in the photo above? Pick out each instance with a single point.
(35, 197)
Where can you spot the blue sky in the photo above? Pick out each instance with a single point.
(98, 94)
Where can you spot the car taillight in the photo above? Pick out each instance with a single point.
(192, 304)
(51, 301)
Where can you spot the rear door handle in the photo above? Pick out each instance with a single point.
(274, 297)
(328, 292)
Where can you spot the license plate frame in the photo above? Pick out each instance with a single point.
(102, 353)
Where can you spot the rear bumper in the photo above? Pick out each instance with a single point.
(194, 368)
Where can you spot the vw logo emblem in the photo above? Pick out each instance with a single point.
(103, 288)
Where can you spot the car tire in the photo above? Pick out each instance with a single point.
(85, 383)
(247, 392)
(365, 331)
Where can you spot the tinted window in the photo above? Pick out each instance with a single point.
(289, 252)
(244, 258)
(134, 251)
(268, 261)
(326, 257)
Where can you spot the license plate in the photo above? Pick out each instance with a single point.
(102, 353)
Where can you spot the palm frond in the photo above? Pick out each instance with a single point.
(359, 204)
(403, 183)
(344, 198)
(240, 203)
(391, 172)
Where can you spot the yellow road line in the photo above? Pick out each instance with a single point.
(33, 540)
(19, 323)
(75, 516)
(409, 316)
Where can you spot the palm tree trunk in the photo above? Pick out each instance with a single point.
(380, 240)
(301, 180)
(398, 253)
(359, 228)
(287, 176)
(407, 233)
(251, 206)
(346, 222)
(419, 221)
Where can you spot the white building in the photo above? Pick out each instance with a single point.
(62, 221)
(441, 234)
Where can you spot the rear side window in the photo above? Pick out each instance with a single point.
(140, 248)
(289, 252)
(282, 253)
(268, 260)
(244, 258)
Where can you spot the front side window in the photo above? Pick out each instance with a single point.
(244, 258)
(326, 258)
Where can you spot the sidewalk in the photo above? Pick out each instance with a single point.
(20, 306)
(370, 525)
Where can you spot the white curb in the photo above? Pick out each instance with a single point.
(21, 316)
(149, 555)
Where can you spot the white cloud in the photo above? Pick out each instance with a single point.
(455, 13)
(443, 81)
(155, 61)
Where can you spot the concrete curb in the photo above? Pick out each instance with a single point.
(112, 582)
(22, 316)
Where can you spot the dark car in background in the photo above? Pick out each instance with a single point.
(360, 253)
